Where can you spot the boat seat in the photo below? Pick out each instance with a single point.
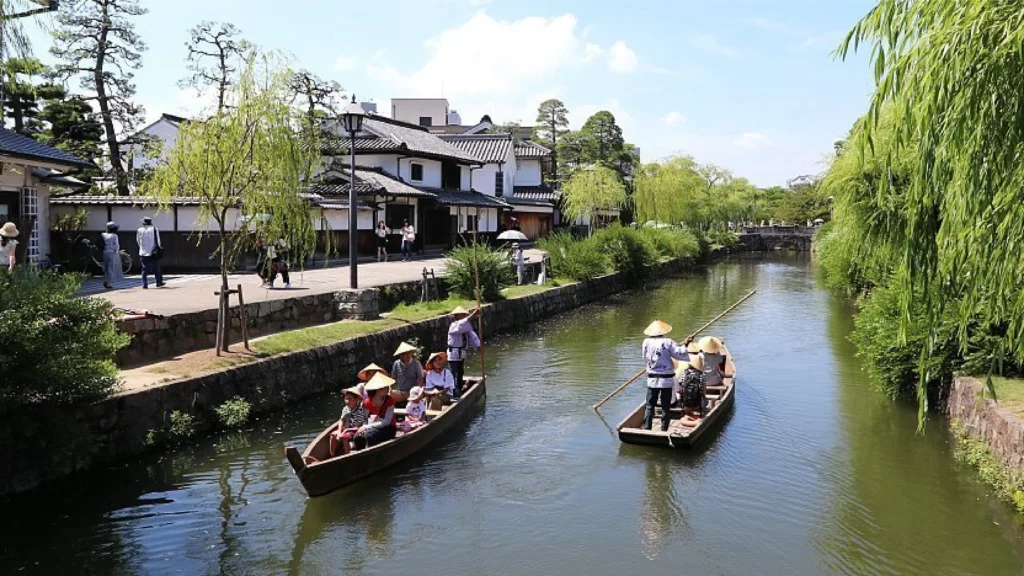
(429, 413)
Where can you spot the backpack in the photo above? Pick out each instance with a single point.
(693, 390)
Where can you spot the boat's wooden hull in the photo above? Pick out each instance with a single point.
(329, 474)
(678, 436)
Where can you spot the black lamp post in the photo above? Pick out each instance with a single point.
(352, 118)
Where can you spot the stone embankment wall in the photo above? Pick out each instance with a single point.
(119, 425)
(1000, 428)
(770, 242)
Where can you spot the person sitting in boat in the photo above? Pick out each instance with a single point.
(658, 351)
(713, 351)
(677, 390)
(694, 383)
(415, 410)
(461, 338)
(380, 407)
(407, 372)
(352, 417)
(440, 383)
(365, 374)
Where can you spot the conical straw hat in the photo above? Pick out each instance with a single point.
(355, 391)
(692, 348)
(368, 372)
(379, 381)
(459, 310)
(657, 328)
(404, 347)
(696, 361)
(710, 345)
(443, 356)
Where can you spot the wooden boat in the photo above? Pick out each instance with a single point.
(328, 474)
(721, 399)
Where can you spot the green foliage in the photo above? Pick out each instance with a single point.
(494, 266)
(592, 189)
(57, 349)
(575, 259)
(673, 242)
(603, 137)
(24, 92)
(806, 204)
(722, 238)
(181, 426)
(233, 413)
(75, 128)
(630, 251)
(975, 452)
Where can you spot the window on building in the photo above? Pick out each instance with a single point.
(416, 172)
(426, 121)
(499, 184)
(397, 214)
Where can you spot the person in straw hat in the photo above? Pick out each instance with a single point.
(713, 352)
(415, 410)
(380, 407)
(352, 417)
(694, 384)
(461, 338)
(407, 371)
(8, 245)
(150, 251)
(112, 271)
(440, 381)
(659, 350)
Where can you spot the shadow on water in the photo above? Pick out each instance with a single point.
(812, 471)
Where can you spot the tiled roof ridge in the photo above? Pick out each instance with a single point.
(401, 123)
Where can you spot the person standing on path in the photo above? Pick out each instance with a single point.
(277, 253)
(8, 246)
(519, 262)
(408, 237)
(658, 351)
(460, 338)
(112, 271)
(150, 252)
(382, 241)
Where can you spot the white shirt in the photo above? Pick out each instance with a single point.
(416, 410)
(658, 354)
(111, 243)
(442, 380)
(409, 233)
(382, 232)
(517, 258)
(148, 238)
(6, 251)
(461, 337)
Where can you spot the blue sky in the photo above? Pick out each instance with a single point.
(749, 85)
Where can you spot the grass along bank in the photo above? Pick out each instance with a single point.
(992, 471)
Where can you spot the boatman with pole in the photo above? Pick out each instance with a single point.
(659, 350)
(461, 338)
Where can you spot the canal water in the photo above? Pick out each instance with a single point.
(813, 472)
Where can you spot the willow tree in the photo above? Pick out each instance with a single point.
(950, 70)
(246, 166)
(592, 189)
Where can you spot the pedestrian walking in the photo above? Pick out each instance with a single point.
(277, 255)
(382, 241)
(519, 262)
(151, 250)
(112, 271)
(408, 237)
(8, 245)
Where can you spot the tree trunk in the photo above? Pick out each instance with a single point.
(223, 316)
(113, 148)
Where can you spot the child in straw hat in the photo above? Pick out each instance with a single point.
(713, 352)
(415, 410)
(694, 384)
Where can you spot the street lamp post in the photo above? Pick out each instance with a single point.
(352, 118)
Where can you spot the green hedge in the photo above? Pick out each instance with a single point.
(630, 251)
(495, 271)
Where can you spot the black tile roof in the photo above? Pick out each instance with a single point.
(530, 149)
(416, 139)
(369, 180)
(540, 193)
(57, 178)
(516, 201)
(18, 146)
(338, 145)
(487, 147)
(462, 198)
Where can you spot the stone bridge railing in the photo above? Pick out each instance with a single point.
(770, 238)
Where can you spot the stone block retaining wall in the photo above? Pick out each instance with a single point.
(119, 425)
(1000, 428)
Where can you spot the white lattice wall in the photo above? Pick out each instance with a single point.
(30, 209)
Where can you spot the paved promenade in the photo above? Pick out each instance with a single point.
(195, 292)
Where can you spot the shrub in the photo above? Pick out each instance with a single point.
(55, 348)
(233, 413)
(495, 271)
(182, 426)
(722, 238)
(672, 242)
(630, 252)
(575, 259)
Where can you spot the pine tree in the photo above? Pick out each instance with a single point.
(23, 91)
(96, 42)
(73, 127)
(552, 122)
(215, 50)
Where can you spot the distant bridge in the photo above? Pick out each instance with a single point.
(770, 238)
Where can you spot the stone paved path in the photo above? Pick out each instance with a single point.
(193, 293)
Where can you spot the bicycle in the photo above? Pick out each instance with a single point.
(96, 257)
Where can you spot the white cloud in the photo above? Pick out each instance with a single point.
(474, 59)
(476, 3)
(765, 24)
(379, 53)
(344, 63)
(673, 118)
(710, 44)
(621, 58)
(828, 40)
(752, 141)
(591, 51)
